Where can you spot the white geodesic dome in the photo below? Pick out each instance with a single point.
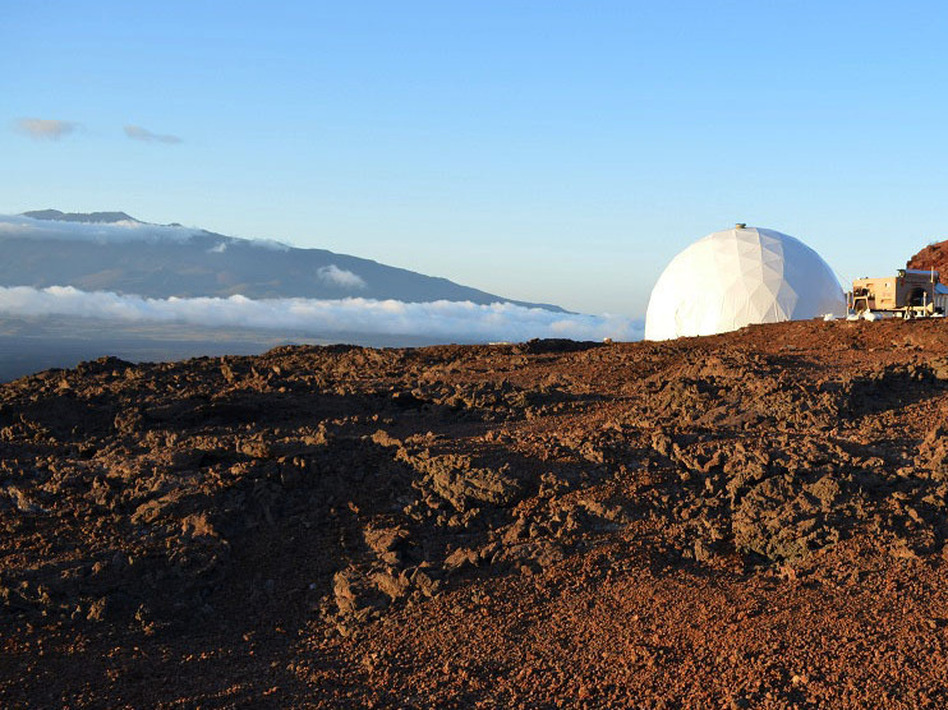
(740, 276)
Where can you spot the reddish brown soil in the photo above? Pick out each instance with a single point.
(749, 520)
(933, 256)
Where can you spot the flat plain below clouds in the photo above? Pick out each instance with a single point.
(439, 321)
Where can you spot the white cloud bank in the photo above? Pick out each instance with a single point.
(97, 232)
(16, 226)
(45, 128)
(438, 320)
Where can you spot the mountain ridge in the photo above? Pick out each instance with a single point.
(81, 217)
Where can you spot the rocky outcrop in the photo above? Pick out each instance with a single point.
(932, 256)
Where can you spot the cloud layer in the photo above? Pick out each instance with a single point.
(143, 134)
(18, 226)
(440, 321)
(99, 233)
(44, 128)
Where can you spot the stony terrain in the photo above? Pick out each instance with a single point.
(750, 520)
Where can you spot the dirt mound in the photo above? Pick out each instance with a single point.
(933, 256)
(753, 519)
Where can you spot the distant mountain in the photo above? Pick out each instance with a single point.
(113, 251)
(83, 217)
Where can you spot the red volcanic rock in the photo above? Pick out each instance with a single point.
(933, 256)
(755, 519)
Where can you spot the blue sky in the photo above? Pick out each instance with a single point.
(547, 151)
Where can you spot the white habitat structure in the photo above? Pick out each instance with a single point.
(740, 276)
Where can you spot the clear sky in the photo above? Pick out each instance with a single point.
(552, 151)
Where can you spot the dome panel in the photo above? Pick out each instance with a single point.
(736, 277)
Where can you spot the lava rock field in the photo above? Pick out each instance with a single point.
(756, 519)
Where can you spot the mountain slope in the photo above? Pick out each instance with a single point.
(112, 251)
